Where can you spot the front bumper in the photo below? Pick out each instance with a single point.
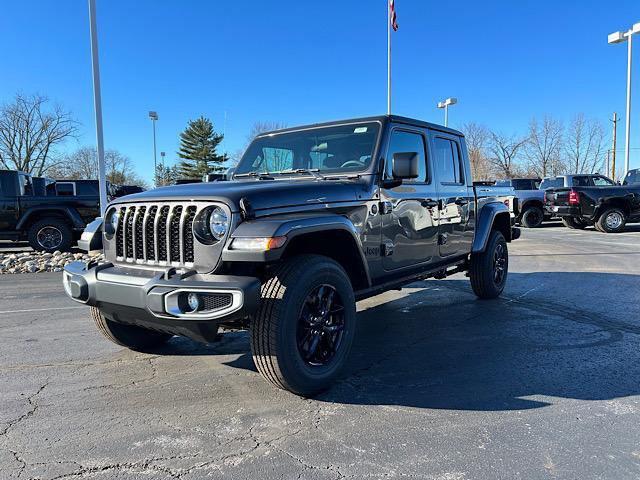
(151, 299)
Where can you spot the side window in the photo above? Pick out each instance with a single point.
(65, 189)
(402, 141)
(602, 182)
(26, 188)
(447, 160)
(580, 182)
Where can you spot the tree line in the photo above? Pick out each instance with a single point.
(548, 148)
(33, 132)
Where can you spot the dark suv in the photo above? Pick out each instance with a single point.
(313, 219)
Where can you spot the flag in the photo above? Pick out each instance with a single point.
(392, 15)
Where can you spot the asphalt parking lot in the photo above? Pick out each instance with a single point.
(542, 383)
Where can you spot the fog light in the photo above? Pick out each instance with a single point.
(193, 300)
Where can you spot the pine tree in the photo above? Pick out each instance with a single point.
(198, 145)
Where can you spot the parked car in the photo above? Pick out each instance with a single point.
(608, 207)
(314, 218)
(530, 200)
(48, 221)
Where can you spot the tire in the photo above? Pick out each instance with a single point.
(574, 223)
(483, 271)
(532, 217)
(49, 235)
(135, 338)
(612, 220)
(281, 339)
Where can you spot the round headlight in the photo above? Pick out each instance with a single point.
(218, 223)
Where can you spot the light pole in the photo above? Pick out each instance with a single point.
(164, 173)
(97, 101)
(154, 117)
(619, 37)
(445, 104)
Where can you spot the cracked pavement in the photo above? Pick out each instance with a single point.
(543, 383)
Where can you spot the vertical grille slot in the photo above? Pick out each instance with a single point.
(149, 233)
(128, 232)
(138, 237)
(187, 234)
(119, 233)
(174, 234)
(161, 235)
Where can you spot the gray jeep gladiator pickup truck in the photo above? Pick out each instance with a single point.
(313, 219)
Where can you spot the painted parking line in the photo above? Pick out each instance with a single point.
(39, 309)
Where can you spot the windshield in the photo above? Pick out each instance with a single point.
(332, 149)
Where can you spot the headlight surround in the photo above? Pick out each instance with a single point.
(111, 221)
(211, 225)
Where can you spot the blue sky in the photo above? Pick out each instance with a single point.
(305, 61)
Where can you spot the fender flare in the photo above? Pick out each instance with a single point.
(486, 219)
(291, 228)
(531, 201)
(69, 213)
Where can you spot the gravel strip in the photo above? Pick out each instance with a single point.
(36, 262)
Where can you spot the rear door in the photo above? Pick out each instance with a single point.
(409, 226)
(455, 196)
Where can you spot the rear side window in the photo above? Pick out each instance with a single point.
(65, 189)
(447, 160)
(580, 182)
(556, 182)
(602, 182)
(87, 189)
(525, 184)
(503, 183)
(402, 141)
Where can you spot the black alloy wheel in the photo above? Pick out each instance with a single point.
(320, 326)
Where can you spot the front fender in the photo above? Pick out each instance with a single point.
(91, 238)
(290, 227)
(490, 214)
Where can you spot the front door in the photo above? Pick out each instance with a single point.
(455, 196)
(409, 229)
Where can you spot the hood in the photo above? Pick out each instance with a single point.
(262, 194)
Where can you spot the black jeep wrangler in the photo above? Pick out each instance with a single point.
(313, 219)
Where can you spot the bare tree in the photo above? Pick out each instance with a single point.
(504, 151)
(585, 147)
(30, 133)
(477, 139)
(256, 129)
(260, 127)
(544, 148)
(83, 165)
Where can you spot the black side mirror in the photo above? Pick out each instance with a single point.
(405, 165)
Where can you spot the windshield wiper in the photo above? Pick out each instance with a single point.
(310, 171)
(344, 176)
(261, 175)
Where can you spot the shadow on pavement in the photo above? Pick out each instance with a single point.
(440, 347)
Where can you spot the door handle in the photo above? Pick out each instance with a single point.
(461, 201)
(430, 203)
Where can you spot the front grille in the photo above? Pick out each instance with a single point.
(156, 234)
(216, 301)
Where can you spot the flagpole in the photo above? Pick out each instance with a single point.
(388, 58)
